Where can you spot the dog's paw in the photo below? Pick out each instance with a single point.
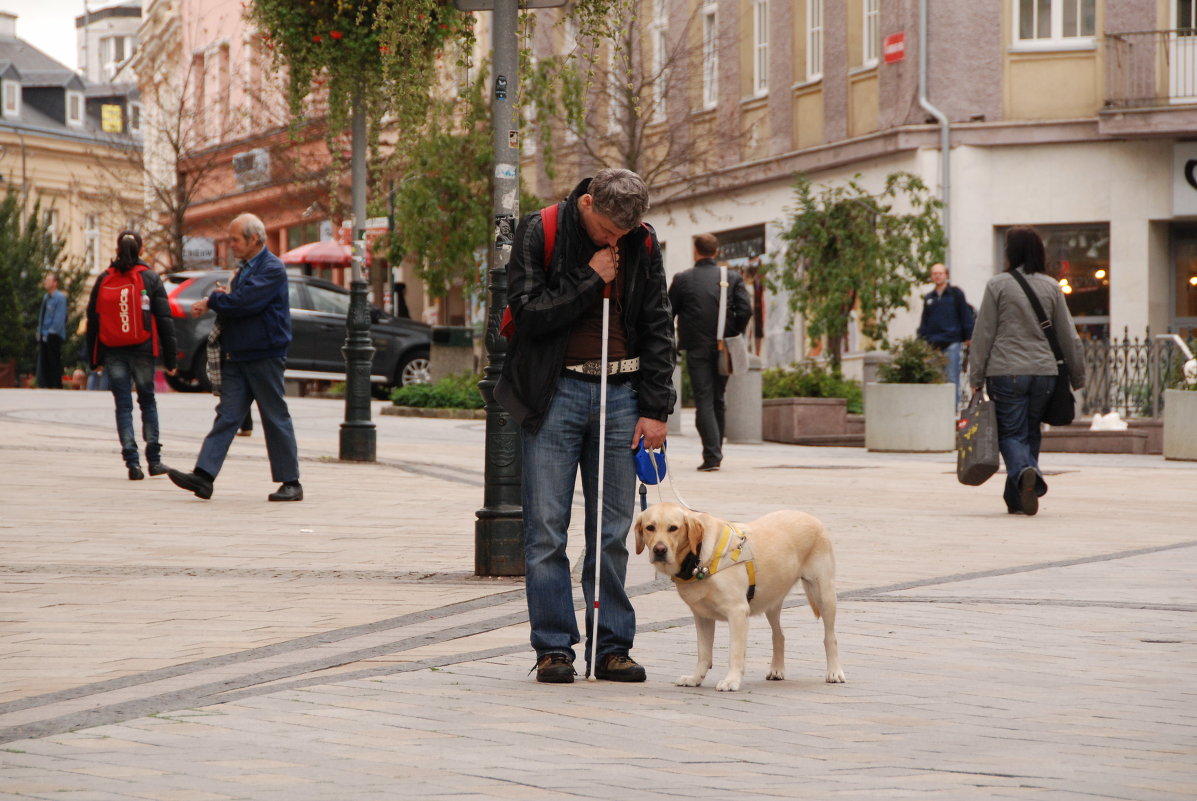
(688, 681)
(835, 676)
(728, 685)
(775, 675)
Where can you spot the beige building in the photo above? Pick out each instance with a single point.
(64, 142)
(1077, 116)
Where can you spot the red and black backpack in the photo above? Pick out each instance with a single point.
(123, 320)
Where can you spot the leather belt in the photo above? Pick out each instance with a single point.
(594, 367)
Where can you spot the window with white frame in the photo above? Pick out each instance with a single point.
(710, 54)
(872, 33)
(615, 90)
(51, 218)
(760, 47)
(74, 108)
(814, 40)
(114, 51)
(91, 242)
(660, 45)
(12, 98)
(1055, 22)
(571, 43)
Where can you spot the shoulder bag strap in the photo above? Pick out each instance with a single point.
(722, 306)
(1045, 324)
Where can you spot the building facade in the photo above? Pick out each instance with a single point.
(66, 144)
(1076, 116)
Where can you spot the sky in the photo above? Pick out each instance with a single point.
(49, 25)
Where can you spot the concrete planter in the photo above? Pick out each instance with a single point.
(1180, 424)
(910, 417)
(793, 419)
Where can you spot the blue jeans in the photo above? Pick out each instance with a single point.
(242, 383)
(125, 372)
(708, 387)
(953, 354)
(1019, 402)
(567, 440)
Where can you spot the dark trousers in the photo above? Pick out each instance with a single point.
(708, 388)
(242, 383)
(1019, 402)
(49, 362)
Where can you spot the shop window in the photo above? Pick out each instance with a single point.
(1078, 257)
(1184, 286)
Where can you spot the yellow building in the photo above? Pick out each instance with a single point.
(73, 146)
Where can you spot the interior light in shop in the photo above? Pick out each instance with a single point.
(1066, 289)
(1099, 274)
(1193, 280)
(1063, 282)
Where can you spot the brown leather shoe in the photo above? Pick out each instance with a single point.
(619, 667)
(555, 669)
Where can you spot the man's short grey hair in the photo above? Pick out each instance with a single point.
(619, 195)
(252, 226)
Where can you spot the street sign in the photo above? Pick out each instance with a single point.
(489, 5)
(894, 47)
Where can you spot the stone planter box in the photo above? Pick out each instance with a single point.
(793, 419)
(910, 417)
(1180, 424)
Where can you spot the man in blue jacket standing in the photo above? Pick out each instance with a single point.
(254, 319)
(51, 333)
(947, 322)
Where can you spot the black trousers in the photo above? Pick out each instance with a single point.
(708, 387)
(49, 363)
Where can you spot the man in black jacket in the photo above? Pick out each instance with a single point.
(550, 386)
(694, 295)
(947, 322)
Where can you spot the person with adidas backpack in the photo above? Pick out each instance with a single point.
(128, 326)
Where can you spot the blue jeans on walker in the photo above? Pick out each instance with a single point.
(124, 373)
(1019, 402)
(568, 440)
(242, 383)
(953, 354)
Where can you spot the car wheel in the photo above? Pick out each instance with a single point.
(182, 383)
(414, 370)
(199, 366)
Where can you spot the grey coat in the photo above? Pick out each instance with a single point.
(1007, 339)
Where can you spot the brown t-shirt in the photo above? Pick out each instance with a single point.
(586, 337)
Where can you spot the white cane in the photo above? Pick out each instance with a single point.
(592, 667)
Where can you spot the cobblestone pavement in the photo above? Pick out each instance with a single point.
(155, 646)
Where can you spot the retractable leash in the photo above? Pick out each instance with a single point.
(651, 467)
(592, 666)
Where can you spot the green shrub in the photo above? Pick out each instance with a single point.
(455, 392)
(811, 380)
(914, 362)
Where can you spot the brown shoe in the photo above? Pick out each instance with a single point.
(555, 669)
(619, 667)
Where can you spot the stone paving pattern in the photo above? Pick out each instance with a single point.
(156, 646)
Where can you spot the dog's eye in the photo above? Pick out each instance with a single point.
(650, 528)
(673, 528)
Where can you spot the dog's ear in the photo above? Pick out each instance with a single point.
(694, 529)
(639, 534)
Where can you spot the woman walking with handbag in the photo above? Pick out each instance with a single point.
(1027, 354)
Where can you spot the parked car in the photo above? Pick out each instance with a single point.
(318, 312)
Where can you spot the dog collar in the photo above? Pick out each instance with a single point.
(694, 570)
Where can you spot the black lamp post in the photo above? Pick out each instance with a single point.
(358, 441)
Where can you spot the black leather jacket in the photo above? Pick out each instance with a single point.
(694, 296)
(546, 303)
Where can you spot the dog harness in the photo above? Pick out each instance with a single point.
(692, 569)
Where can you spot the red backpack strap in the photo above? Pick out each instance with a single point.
(548, 219)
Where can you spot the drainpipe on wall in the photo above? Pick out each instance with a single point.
(945, 130)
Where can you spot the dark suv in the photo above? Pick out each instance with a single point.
(318, 312)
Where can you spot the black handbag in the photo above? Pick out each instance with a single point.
(1061, 409)
(977, 442)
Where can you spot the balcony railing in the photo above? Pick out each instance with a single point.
(1147, 69)
(1129, 376)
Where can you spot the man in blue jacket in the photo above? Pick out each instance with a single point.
(947, 322)
(254, 317)
(51, 333)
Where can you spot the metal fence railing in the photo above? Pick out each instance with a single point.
(1129, 375)
(1150, 68)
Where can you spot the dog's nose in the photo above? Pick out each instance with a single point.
(659, 553)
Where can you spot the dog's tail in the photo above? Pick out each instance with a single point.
(812, 597)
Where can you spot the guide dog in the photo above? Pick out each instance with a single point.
(725, 571)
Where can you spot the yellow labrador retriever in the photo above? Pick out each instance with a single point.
(725, 571)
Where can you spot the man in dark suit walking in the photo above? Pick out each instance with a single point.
(694, 295)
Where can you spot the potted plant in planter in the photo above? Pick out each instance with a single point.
(911, 407)
(807, 400)
(1180, 409)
